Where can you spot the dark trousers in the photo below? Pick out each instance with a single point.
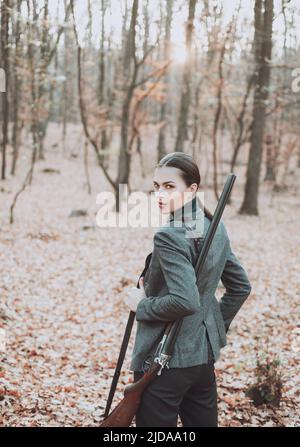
(188, 392)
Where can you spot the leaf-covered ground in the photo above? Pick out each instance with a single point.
(63, 317)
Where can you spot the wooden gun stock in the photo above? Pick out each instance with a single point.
(125, 411)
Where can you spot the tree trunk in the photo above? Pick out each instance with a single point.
(5, 8)
(182, 126)
(261, 93)
(162, 132)
(101, 98)
(124, 156)
(270, 159)
(16, 93)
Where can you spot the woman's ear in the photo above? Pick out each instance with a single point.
(194, 187)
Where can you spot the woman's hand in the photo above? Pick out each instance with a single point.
(134, 295)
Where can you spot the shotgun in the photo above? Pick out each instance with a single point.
(125, 411)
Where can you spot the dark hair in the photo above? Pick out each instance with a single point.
(189, 170)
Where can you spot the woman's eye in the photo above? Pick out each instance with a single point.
(157, 187)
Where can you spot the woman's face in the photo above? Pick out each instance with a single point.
(170, 190)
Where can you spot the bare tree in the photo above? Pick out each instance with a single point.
(219, 109)
(131, 71)
(182, 133)
(82, 107)
(67, 88)
(163, 108)
(17, 90)
(261, 93)
(4, 35)
(101, 99)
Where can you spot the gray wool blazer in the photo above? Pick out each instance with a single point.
(172, 291)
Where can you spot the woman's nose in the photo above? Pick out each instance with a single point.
(160, 193)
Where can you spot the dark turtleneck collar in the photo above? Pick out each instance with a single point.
(188, 209)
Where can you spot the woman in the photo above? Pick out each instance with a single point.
(168, 291)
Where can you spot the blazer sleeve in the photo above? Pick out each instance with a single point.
(183, 297)
(237, 286)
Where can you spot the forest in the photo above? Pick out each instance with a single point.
(93, 93)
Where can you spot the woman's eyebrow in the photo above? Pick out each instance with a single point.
(164, 183)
